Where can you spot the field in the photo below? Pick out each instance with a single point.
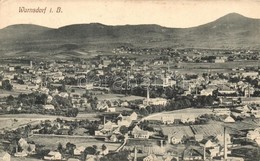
(212, 129)
(122, 97)
(225, 65)
(178, 114)
(13, 121)
(51, 142)
(4, 93)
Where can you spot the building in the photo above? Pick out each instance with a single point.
(53, 155)
(228, 119)
(221, 111)
(48, 107)
(153, 101)
(176, 133)
(167, 119)
(192, 154)
(79, 150)
(4, 156)
(139, 133)
(150, 157)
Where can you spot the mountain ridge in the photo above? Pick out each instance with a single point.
(229, 31)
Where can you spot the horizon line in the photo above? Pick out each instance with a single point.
(139, 24)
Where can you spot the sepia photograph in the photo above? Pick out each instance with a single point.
(129, 80)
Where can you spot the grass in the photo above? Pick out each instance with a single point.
(51, 142)
(178, 114)
(114, 97)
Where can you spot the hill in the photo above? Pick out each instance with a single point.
(231, 31)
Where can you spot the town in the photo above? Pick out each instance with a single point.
(132, 104)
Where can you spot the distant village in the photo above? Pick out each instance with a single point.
(156, 104)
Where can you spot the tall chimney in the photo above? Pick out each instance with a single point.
(204, 153)
(148, 95)
(248, 88)
(161, 141)
(225, 144)
(104, 120)
(31, 64)
(135, 154)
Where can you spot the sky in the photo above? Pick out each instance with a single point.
(168, 13)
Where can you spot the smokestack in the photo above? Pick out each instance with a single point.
(104, 120)
(248, 88)
(161, 143)
(225, 144)
(148, 95)
(204, 153)
(31, 64)
(135, 154)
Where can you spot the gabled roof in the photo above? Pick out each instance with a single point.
(177, 130)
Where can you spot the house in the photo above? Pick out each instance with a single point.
(23, 144)
(150, 157)
(226, 90)
(79, 150)
(124, 104)
(124, 121)
(91, 158)
(109, 126)
(220, 139)
(11, 69)
(188, 118)
(257, 140)
(133, 116)
(139, 133)
(176, 139)
(253, 134)
(243, 109)
(48, 107)
(198, 137)
(228, 119)
(214, 152)
(155, 101)
(21, 154)
(111, 109)
(221, 111)
(206, 92)
(104, 151)
(192, 154)
(4, 156)
(64, 94)
(249, 74)
(53, 155)
(113, 138)
(176, 133)
(167, 119)
(73, 159)
(219, 59)
(102, 105)
(207, 143)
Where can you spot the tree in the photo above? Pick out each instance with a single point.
(123, 129)
(104, 147)
(122, 155)
(10, 100)
(6, 85)
(72, 112)
(144, 112)
(70, 148)
(60, 148)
